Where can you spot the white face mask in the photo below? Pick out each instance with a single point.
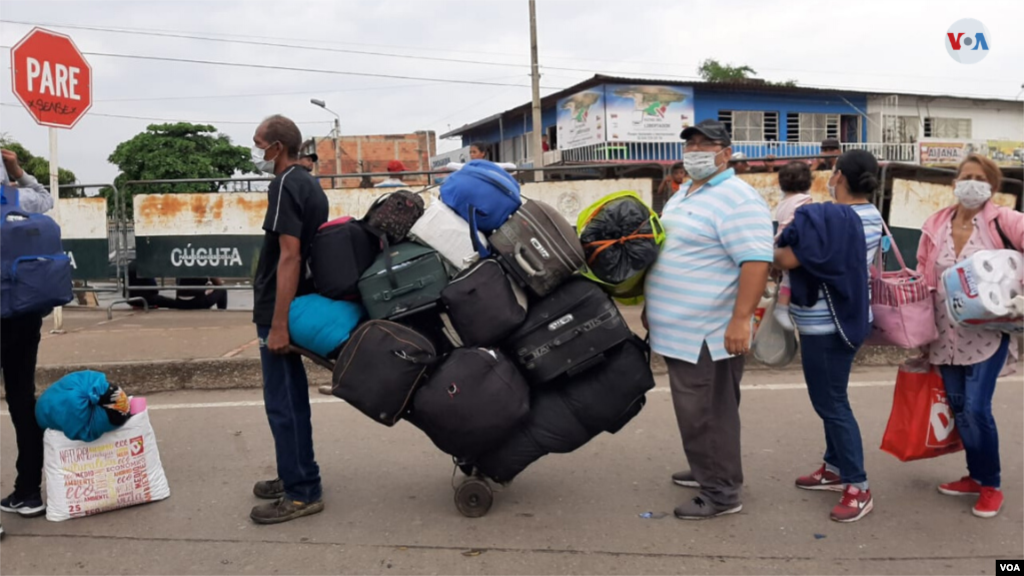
(700, 165)
(832, 188)
(972, 193)
(262, 164)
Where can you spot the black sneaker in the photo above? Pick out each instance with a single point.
(29, 507)
(284, 510)
(700, 509)
(269, 489)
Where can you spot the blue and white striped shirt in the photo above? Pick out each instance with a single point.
(817, 320)
(691, 290)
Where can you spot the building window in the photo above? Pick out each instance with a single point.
(947, 128)
(901, 129)
(816, 127)
(749, 125)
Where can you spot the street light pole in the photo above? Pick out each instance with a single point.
(337, 134)
(538, 146)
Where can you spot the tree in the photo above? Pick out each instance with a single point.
(175, 151)
(40, 167)
(712, 70)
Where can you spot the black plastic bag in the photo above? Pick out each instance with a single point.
(619, 241)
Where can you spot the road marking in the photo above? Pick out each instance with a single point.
(660, 390)
(241, 348)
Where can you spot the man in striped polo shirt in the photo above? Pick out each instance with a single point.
(701, 297)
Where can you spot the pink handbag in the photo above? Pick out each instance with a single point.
(902, 304)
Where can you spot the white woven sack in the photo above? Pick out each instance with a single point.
(120, 469)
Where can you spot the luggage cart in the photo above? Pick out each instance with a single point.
(474, 494)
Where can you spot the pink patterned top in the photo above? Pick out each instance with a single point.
(958, 345)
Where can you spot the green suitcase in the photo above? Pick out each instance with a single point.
(405, 279)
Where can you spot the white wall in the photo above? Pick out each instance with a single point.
(990, 119)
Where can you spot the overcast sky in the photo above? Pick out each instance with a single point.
(886, 45)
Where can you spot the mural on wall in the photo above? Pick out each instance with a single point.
(581, 119)
(638, 113)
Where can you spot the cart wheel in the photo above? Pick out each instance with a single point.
(473, 498)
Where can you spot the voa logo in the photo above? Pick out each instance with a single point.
(967, 41)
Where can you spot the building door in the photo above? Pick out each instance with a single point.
(849, 128)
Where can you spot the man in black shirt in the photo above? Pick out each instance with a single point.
(296, 208)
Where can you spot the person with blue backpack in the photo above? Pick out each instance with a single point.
(22, 196)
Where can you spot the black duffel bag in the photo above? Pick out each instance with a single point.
(472, 402)
(482, 306)
(380, 367)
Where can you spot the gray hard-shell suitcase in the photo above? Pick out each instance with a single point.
(539, 247)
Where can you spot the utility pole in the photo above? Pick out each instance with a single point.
(538, 147)
(337, 135)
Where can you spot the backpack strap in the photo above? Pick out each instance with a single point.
(386, 249)
(474, 234)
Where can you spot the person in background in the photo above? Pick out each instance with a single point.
(670, 185)
(970, 359)
(309, 161)
(478, 151)
(795, 181)
(544, 143)
(395, 168)
(296, 207)
(701, 297)
(831, 307)
(19, 348)
(740, 164)
(830, 148)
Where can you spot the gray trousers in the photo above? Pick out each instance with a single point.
(706, 396)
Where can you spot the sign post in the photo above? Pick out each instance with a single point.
(54, 83)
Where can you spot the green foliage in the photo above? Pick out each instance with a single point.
(712, 70)
(175, 151)
(40, 168)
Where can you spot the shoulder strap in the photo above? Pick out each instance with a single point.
(1007, 243)
(879, 268)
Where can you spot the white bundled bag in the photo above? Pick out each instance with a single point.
(773, 345)
(442, 229)
(120, 469)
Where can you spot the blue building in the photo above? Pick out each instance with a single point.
(610, 119)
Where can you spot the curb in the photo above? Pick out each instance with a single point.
(149, 377)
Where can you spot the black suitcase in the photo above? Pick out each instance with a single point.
(380, 367)
(539, 247)
(482, 306)
(341, 252)
(567, 332)
(472, 403)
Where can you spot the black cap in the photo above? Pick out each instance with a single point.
(712, 129)
(830, 144)
(312, 156)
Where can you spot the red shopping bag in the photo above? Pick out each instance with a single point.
(921, 424)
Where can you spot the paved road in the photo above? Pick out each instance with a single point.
(389, 501)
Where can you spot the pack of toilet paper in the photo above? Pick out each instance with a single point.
(987, 291)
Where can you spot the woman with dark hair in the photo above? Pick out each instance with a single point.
(795, 181)
(828, 248)
(478, 151)
(970, 359)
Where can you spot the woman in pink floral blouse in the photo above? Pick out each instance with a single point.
(970, 359)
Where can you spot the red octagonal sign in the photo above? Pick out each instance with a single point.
(51, 78)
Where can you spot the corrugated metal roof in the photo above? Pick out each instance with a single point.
(754, 85)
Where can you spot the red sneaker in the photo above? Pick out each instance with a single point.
(989, 503)
(821, 479)
(854, 505)
(962, 487)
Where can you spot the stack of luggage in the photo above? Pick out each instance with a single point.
(478, 319)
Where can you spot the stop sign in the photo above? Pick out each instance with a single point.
(51, 78)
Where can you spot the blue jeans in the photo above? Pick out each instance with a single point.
(286, 396)
(969, 390)
(827, 362)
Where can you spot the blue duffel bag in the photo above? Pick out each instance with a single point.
(35, 273)
(484, 194)
(322, 325)
(72, 405)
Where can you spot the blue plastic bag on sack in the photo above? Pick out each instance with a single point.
(72, 406)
